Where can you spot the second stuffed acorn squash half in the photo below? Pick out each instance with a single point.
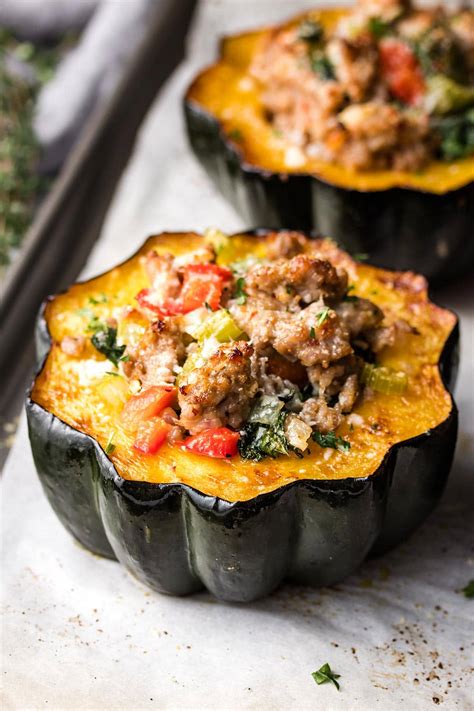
(358, 123)
(232, 411)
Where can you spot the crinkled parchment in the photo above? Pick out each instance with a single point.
(80, 633)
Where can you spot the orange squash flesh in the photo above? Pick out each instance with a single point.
(228, 92)
(80, 391)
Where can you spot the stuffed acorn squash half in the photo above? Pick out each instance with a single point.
(231, 411)
(356, 123)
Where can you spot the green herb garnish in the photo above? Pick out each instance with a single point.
(95, 324)
(310, 31)
(456, 133)
(322, 316)
(361, 256)
(325, 675)
(241, 266)
(101, 299)
(240, 294)
(105, 341)
(378, 28)
(332, 441)
(469, 589)
(85, 312)
(236, 135)
(348, 296)
(322, 65)
(312, 332)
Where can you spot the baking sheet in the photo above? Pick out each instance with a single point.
(80, 633)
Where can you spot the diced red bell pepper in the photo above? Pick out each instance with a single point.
(147, 403)
(401, 71)
(218, 442)
(151, 435)
(167, 308)
(208, 268)
(203, 284)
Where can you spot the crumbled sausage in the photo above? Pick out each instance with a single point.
(155, 359)
(303, 276)
(285, 244)
(219, 392)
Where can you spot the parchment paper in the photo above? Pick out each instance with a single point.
(80, 633)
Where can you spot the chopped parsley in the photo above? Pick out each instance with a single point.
(241, 266)
(348, 296)
(378, 28)
(104, 340)
(332, 441)
(240, 294)
(469, 589)
(456, 133)
(361, 256)
(95, 324)
(310, 31)
(236, 135)
(322, 66)
(322, 316)
(101, 299)
(312, 332)
(326, 675)
(85, 312)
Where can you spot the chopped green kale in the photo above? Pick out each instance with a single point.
(322, 66)
(378, 28)
(264, 433)
(456, 135)
(105, 341)
(332, 441)
(325, 675)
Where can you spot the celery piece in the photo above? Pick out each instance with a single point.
(219, 325)
(384, 379)
(446, 96)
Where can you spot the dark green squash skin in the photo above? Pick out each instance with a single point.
(177, 540)
(398, 228)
